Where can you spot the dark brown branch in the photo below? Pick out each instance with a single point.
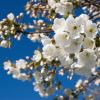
(40, 31)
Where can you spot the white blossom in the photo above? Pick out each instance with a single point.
(63, 57)
(90, 29)
(7, 65)
(4, 43)
(61, 7)
(73, 26)
(89, 43)
(75, 45)
(33, 37)
(21, 64)
(82, 19)
(62, 39)
(63, 1)
(38, 76)
(21, 76)
(49, 51)
(40, 88)
(45, 40)
(52, 3)
(64, 8)
(59, 25)
(10, 16)
(14, 71)
(87, 60)
(37, 56)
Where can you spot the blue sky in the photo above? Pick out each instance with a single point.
(11, 89)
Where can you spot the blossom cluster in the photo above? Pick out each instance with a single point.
(73, 43)
(17, 70)
(62, 7)
(44, 77)
(71, 48)
(10, 27)
(70, 45)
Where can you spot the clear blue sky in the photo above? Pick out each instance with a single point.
(11, 89)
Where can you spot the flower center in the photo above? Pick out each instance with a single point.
(75, 27)
(91, 30)
(87, 54)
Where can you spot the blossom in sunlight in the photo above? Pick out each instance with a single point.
(73, 26)
(10, 16)
(52, 3)
(64, 8)
(82, 19)
(7, 65)
(75, 45)
(89, 43)
(40, 88)
(45, 40)
(5, 43)
(62, 39)
(37, 56)
(90, 29)
(33, 37)
(38, 76)
(61, 7)
(63, 57)
(21, 76)
(87, 58)
(59, 25)
(49, 51)
(63, 1)
(21, 64)
(15, 70)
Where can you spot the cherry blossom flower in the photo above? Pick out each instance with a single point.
(73, 26)
(45, 40)
(21, 64)
(87, 60)
(75, 45)
(59, 25)
(49, 51)
(37, 56)
(61, 7)
(52, 3)
(64, 8)
(7, 65)
(90, 29)
(5, 43)
(41, 89)
(62, 39)
(89, 43)
(10, 16)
